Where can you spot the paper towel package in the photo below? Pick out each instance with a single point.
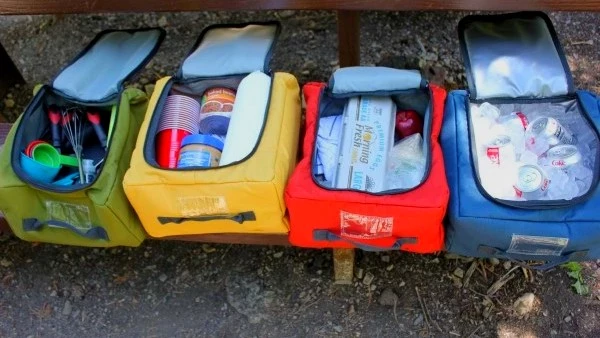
(367, 137)
(244, 193)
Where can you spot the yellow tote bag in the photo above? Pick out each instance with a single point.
(246, 195)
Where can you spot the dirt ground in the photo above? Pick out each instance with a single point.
(179, 289)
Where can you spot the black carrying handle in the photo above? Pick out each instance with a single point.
(240, 218)
(326, 235)
(551, 263)
(33, 224)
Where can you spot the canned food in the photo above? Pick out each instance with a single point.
(552, 130)
(217, 99)
(532, 183)
(500, 150)
(563, 156)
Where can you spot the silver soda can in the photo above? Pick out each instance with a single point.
(532, 183)
(500, 151)
(563, 156)
(552, 130)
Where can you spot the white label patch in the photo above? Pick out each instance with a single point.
(75, 214)
(202, 205)
(537, 245)
(366, 227)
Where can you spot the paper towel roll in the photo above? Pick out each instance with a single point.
(247, 118)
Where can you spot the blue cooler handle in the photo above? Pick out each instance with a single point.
(550, 263)
(326, 235)
(95, 232)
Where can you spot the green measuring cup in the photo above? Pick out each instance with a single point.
(46, 154)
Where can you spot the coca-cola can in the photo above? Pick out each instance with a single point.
(500, 150)
(563, 156)
(516, 119)
(552, 130)
(532, 183)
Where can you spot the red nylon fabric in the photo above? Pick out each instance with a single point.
(416, 214)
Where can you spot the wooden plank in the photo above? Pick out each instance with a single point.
(348, 38)
(234, 238)
(9, 73)
(105, 6)
(343, 266)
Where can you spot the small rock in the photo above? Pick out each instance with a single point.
(9, 103)
(507, 265)
(373, 287)
(553, 332)
(305, 72)
(390, 267)
(53, 293)
(402, 283)
(208, 249)
(545, 313)
(368, 278)
(418, 321)
(360, 273)
(162, 277)
(144, 81)
(162, 22)
(286, 14)
(351, 309)
(278, 254)
(524, 304)
(435, 261)
(494, 261)
(568, 319)
(385, 259)
(78, 292)
(338, 328)
(5, 263)
(458, 272)
(67, 309)
(388, 298)
(9, 96)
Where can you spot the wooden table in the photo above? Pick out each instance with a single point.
(348, 50)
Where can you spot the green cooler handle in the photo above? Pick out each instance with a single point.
(326, 235)
(550, 263)
(33, 224)
(238, 218)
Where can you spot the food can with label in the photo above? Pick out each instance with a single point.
(532, 183)
(217, 99)
(500, 151)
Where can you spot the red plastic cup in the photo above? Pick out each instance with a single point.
(168, 144)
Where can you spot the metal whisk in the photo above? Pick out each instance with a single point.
(73, 123)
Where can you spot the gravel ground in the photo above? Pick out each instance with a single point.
(188, 289)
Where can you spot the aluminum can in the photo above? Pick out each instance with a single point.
(532, 183)
(563, 156)
(217, 99)
(500, 151)
(552, 131)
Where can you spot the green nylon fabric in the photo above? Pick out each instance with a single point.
(103, 204)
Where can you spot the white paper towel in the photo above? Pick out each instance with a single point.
(247, 117)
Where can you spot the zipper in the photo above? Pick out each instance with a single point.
(240, 218)
(150, 153)
(16, 153)
(428, 159)
(546, 204)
